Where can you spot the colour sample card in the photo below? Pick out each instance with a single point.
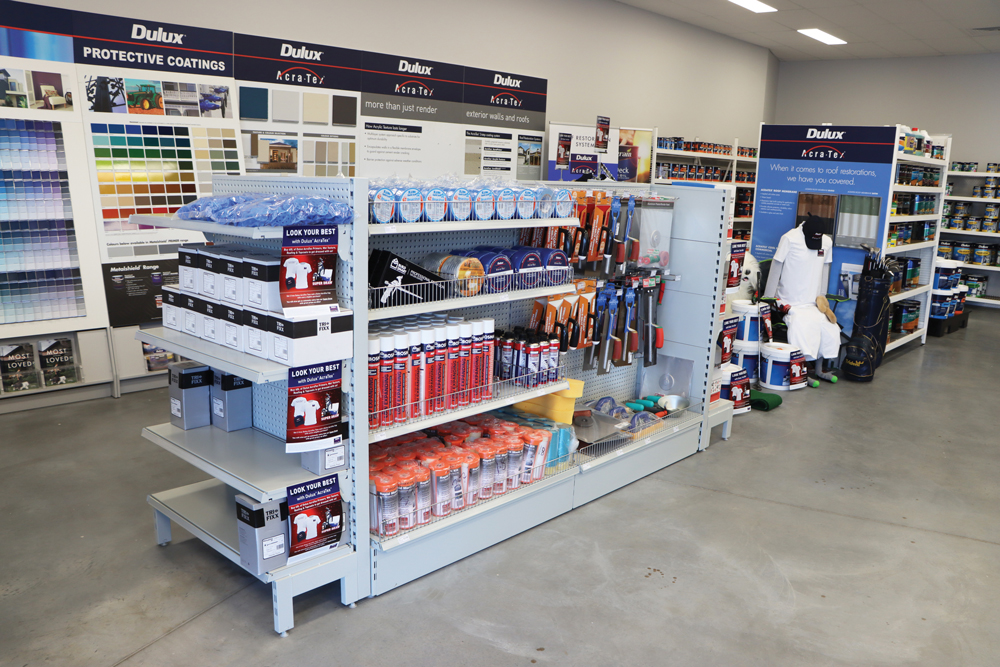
(156, 169)
(39, 261)
(328, 155)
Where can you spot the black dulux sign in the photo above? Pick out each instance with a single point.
(32, 17)
(296, 63)
(491, 88)
(414, 78)
(99, 39)
(828, 143)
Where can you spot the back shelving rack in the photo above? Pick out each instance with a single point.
(925, 250)
(253, 462)
(992, 297)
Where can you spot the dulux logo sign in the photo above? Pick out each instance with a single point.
(158, 35)
(509, 82)
(813, 133)
(289, 51)
(414, 68)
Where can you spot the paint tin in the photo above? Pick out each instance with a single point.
(736, 387)
(956, 222)
(982, 254)
(782, 367)
(944, 249)
(993, 167)
(989, 225)
(992, 181)
(992, 211)
(940, 303)
(747, 355)
(961, 208)
(962, 252)
(946, 274)
(977, 191)
(973, 224)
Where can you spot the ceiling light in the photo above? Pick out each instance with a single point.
(754, 6)
(821, 36)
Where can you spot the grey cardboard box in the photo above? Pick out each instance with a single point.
(232, 402)
(263, 533)
(331, 459)
(190, 389)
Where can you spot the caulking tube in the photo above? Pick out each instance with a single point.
(543, 359)
(507, 357)
(464, 363)
(451, 384)
(387, 353)
(426, 379)
(489, 354)
(401, 365)
(440, 366)
(373, 365)
(413, 373)
(554, 357)
(519, 363)
(534, 357)
(476, 373)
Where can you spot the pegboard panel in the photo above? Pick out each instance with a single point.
(270, 408)
(415, 246)
(273, 245)
(620, 382)
(341, 189)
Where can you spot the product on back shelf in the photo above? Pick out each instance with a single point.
(382, 204)
(398, 281)
(232, 402)
(467, 272)
(262, 529)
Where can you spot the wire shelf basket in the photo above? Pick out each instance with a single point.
(394, 294)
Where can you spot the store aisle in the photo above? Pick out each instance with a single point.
(855, 525)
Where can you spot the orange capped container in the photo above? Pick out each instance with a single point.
(472, 460)
(459, 472)
(407, 489)
(500, 472)
(441, 488)
(515, 463)
(533, 440)
(422, 477)
(387, 503)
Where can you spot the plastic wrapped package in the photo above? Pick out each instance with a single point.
(285, 211)
(205, 208)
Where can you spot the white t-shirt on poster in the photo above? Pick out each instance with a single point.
(290, 265)
(299, 405)
(302, 271)
(307, 523)
(801, 268)
(311, 408)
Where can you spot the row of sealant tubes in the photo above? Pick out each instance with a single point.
(417, 201)
(421, 365)
(415, 478)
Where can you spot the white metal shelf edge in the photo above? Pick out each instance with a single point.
(978, 267)
(963, 232)
(469, 225)
(910, 293)
(986, 200)
(911, 246)
(914, 218)
(207, 227)
(919, 159)
(917, 188)
(909, 338)
(244, 365)
(990, 303)
(466, 302)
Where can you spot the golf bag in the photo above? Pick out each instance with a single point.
(863, 352)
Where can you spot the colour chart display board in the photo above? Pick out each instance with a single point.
(39, 260)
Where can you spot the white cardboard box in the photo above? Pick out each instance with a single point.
(300, 341)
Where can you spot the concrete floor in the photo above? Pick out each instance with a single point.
(857, 525)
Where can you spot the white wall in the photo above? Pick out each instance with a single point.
(956, 95)
(599, 56)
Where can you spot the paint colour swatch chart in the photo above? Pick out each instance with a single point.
(39, 262)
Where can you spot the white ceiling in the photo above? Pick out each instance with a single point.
(871, 28)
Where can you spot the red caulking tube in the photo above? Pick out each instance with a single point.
(373, 365)
(476, 373)
(543, 360)
(387, 354)
(399, 369)
(451, 385)
(440, 366)
(489, 357)
(520, 361)
(534, 356)
(464, 363)
(426, 380)
(413, 374)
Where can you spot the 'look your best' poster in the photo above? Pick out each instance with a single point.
(314, 398)
(315, 517)
(309, 263)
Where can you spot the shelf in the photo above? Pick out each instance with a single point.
(207, 510)
(207, 227)
(989, 301)
(917, 188)
(694, 184)
(477, 510)
(991, 235)
(692, 154)
(466, 225)
(985, 200)
(974, 174)
(252, 462)
(510, 396)
(467, 302)
(914, 218)
(909, 293)
(911, 246)
(908, 338)
(244, 365)
(919, 159)
(748, 218)
(978, 267)
(746, 159)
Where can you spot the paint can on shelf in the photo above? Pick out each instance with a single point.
(962, 252)
(946, 274)
(944, 250)
(982, 254)
(940, 303)
(777, 371)
(973, 224)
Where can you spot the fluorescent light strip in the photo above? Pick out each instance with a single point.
(754, 5)
(821, 36)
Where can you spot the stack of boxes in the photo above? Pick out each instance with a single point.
(229, 295)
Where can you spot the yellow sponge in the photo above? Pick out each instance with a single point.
(551, 406)
(575, 389)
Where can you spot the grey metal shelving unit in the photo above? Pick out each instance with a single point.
(254, 462)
